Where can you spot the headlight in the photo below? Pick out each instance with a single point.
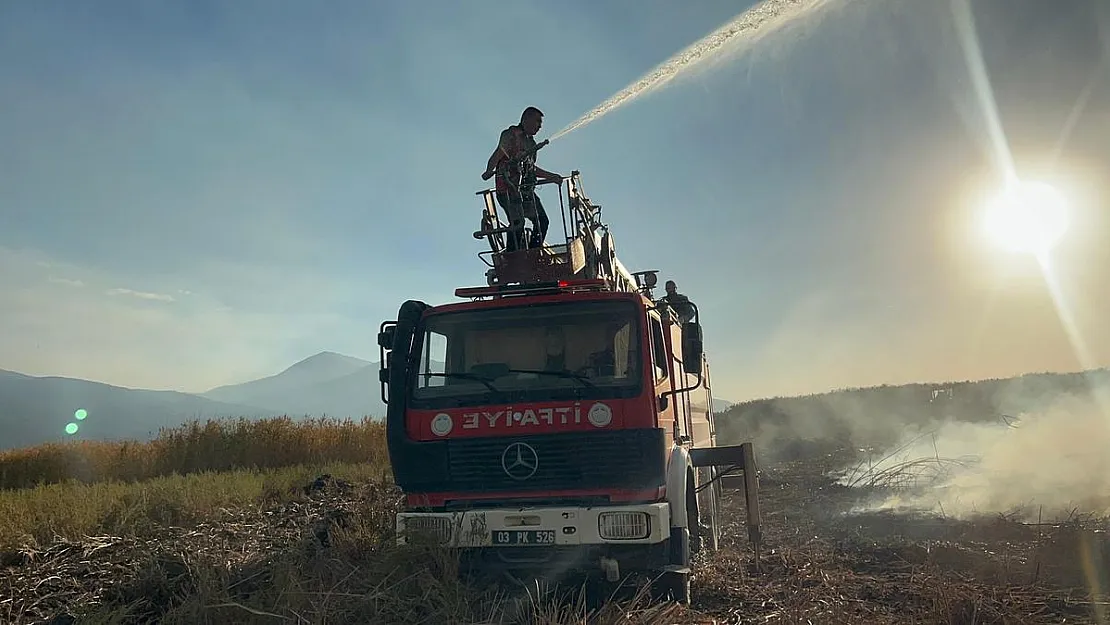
(623, 525)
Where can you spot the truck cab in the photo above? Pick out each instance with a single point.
(559, 419)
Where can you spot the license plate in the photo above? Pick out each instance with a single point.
(523, 537)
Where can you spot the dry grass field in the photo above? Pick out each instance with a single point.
(208, 525)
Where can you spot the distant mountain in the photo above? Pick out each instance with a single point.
(327, 384)
(319, 369)
(36, 410)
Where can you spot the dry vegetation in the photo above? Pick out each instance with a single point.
(195, 447)
(277, 545)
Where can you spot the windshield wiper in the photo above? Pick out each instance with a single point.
(464, 376)
(559, 374)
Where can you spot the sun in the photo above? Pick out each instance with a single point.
(1027, 217)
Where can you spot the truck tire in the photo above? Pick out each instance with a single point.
(693, 515)
(608, 256)
(709, 512)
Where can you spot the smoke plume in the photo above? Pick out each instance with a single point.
(1047, 464)
(1036, 446)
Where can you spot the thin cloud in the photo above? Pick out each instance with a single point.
(158, 297)
(66, 281)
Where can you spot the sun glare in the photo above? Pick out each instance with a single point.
(1027, 217)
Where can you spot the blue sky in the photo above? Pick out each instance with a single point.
(201, 193)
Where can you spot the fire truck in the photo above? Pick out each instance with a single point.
(558, 420)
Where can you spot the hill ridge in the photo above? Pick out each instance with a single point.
(36, 409)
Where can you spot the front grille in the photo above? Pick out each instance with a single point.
(626, 459)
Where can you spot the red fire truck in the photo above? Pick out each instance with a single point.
(559, 419)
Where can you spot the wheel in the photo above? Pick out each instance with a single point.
(703, 513)
(709, 507)
(608, 257)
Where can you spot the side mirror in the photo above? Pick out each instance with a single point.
(385, 337)
(691, 347)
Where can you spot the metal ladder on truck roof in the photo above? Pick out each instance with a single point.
(586, 253)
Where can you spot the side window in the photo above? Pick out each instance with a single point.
(433, 360)
(658, 348)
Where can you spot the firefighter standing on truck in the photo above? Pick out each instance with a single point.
(515, 183)
(679, 302)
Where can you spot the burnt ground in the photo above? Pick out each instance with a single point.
(325, 555)
(823, 565)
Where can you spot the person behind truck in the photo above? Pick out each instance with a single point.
(514, 188)
(679, 302)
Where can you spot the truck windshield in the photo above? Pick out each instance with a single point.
(529, 353)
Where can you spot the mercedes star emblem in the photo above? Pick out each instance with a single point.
(520, 461)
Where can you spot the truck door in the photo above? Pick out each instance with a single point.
(661, 378)
(681, 380)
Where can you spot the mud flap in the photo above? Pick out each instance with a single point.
(734, 457)
(672, 583)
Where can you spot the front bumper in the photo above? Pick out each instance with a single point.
(546, 527)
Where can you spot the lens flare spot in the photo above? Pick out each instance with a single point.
(71, 428)
(80, 414)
